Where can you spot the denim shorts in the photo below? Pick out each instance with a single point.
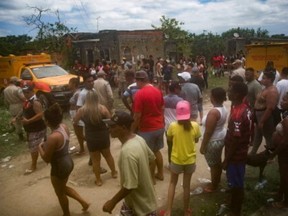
(154, 139)
(187, 168)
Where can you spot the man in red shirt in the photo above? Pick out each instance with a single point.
(237, 141)
(149, 119)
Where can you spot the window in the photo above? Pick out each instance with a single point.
(25, 74)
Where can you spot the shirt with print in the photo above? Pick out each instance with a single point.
(239, 132)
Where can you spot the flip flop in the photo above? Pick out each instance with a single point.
(162, 213)
(84, 209)
(80, 153)
(188, 212)
(28, 171)
(161, 178)
(209, 190)
(102, 170)
(98, 183)
(279, 205)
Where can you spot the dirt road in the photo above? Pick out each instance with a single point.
(34, 195)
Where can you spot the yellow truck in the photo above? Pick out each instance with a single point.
(257, 55)
(50, 80)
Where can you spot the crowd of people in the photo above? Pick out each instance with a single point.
(158, 106)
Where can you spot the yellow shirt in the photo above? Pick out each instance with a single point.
(183, 148)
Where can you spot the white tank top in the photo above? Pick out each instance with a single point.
(220, 130)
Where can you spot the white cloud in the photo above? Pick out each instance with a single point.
(214, 16)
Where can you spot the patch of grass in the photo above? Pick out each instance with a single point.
(9, 142)
(214, 82)
(207, 204)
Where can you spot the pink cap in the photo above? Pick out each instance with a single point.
(183, 110)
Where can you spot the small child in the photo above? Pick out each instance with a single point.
(185, 134)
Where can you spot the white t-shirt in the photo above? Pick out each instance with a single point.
(282, 87)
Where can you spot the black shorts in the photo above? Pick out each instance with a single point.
(62, 167)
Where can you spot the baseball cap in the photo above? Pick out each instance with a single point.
(183, 110)
(141, 75)
(101, 73)
(237, 61)
(185, 75)
(14, 79)
(120, 118)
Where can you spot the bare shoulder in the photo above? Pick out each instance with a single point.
(65, 128)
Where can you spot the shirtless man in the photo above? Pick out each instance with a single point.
(266, 102)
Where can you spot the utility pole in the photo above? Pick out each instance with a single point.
(98, 23)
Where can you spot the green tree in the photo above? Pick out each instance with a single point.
(245, 33)
(279, 36)
(174, 34)
(15, 45)
(207, 44)
(50, 35)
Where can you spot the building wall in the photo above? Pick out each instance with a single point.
(113, 44)
(136, 45)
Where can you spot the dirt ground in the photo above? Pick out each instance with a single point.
(34, 195)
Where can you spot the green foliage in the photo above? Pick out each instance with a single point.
(207, 204)
(279, 36)
(15, 45)
(50, 35)
(9, 143)
(246, 33)
(173, 33)
(207, 44)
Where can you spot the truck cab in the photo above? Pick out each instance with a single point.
(50, 80)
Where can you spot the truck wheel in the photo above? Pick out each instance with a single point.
(44, 100)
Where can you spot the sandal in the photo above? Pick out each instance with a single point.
(85, 208)
(159, 177)
(98, 182)
(102, 170)
(79, 153)
(114, 174)
(188, 212)
(279, 205)
(209, 190)
(29, 171)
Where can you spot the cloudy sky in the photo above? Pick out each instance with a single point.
(214, 16)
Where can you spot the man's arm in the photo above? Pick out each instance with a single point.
(110, 204)
(126, 103)
(110, 96)
(135, 125)
(271, 102)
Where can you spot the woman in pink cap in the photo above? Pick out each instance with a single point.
(185, 134)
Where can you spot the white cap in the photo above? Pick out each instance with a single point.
(185, 75)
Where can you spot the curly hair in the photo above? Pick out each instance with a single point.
(53, 115)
